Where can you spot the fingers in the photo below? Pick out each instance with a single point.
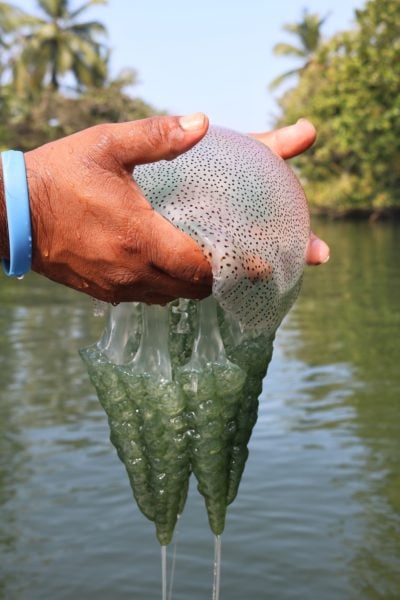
(286, 143)
(147, 233)
(289, 141)
(156, 287)
(178, 256)
(124, 293)
(317, 251)
(156, 138)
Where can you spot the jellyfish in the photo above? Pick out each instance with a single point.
(180, 383)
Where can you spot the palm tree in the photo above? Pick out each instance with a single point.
(308, 32)
(11, 20)
(59, 44)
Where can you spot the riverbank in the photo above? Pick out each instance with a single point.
(371, 215)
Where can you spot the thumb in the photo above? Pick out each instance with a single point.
(156, 138)
(178, 255)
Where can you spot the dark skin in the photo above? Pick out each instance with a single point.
(94, 231)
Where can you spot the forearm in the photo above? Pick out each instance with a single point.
(4, 249)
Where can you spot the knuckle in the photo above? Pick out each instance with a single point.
(159, 133)
(100, 148)
(121, 278)
(157, 128)
(197, 272)
(103, 135)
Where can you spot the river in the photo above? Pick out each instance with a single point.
(318, 510)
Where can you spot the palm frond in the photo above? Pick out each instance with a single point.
(275, 83)
(90, 27)
(56, 9)
(308, 33)
(57, 44)
(74, 14)
(283, 49)
(13, 18)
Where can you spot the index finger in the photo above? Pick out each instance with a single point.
(289, 141)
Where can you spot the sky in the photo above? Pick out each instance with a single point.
(213, 56)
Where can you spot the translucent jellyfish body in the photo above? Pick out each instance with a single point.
(180, 384)
(246, 208)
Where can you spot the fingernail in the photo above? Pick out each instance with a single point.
(193, 122)
(324, 252)
(320, 250)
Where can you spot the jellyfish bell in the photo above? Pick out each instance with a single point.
(247, 210)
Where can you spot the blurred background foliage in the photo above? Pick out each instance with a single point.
(54, 75)
(55, 79)
(349, 87)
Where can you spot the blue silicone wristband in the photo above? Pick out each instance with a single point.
(18, 214)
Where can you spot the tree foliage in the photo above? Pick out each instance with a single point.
(35, 56)
(351, 92)
(54, 115)
(309, 38)
(59, 44)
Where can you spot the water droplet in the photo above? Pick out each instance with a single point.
(99, 308)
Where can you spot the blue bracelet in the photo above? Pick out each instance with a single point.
(18, 214)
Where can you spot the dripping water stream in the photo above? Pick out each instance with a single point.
(166, 590)
(164, 572)
(217, 567)
(174, 549)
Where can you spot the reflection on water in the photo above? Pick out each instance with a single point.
(318, 512)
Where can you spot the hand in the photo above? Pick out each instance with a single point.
(286, 143)
(92, 228)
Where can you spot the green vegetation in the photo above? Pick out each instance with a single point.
(59, 44)
(308, 32)
(350, 91)
(55, 79)
(54, 75)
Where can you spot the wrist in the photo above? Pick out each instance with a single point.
(39, 190)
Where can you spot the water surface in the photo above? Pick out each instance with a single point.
(318, 511)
